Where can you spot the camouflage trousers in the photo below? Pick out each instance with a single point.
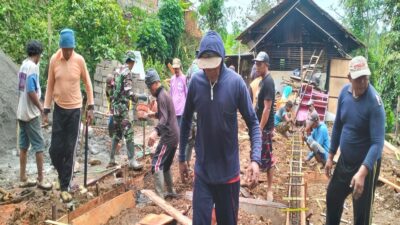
(122, 128)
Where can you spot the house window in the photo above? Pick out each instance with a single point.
(282, 64)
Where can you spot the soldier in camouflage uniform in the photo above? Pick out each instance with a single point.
(120, 95)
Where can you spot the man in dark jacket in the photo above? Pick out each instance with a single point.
(168, 131)
(216, 93)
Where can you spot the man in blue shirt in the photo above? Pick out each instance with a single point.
(28, 114)
(318, 141)
(359, 130)
(283, 119)
(216, 93)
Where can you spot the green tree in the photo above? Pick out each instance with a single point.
(389, 79)
(150, 40)
(21, 21)
(172, 24)
(377, 24)
(99, 26)
(211, 12)
(258, 8)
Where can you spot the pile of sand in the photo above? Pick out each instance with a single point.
(8, 102)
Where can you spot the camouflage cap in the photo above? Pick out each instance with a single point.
(130, 56)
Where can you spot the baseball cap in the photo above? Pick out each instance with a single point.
(358, 67)
(130, 56)
(151, 77)
(314, 117)
(262, 57)
(209, 60)
(176, 63)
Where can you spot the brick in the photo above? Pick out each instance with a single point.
(97, 101)
(98, 89)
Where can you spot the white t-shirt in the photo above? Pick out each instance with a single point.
(28, 81)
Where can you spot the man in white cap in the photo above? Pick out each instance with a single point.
(359, 130)
(178, 89)
(216, 93)
(311, 110)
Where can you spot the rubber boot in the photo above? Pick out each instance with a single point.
(114, 144)
(159, 183)
(133, 163)
(169, 185)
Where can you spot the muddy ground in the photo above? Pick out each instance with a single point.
(36, 209)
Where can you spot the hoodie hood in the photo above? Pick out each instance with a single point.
(212, 41)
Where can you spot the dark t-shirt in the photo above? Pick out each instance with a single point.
(167, 127)
(266, 92)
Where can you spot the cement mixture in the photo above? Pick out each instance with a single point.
(8, 96)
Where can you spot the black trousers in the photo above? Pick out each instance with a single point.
(225, 197)
(339, 189)
(64, 138)
(163, 158)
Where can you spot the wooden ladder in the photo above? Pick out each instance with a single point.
(312, 65)
(309, 71)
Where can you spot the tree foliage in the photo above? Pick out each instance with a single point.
(211, 12)
(172, 24)
(99, 28)
(151, 41)
(102, 29)
(377, 24)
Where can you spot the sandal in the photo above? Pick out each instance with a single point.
(111, 164)
(44, 185)
(65, 196)
(27, 183)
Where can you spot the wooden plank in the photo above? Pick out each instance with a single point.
(55, 222)
(167, 207)
(339, 68)
(154, 219)
(336, 85)
(266, 209)
(386, 181)
(252, 201)
(92, 204)
(390, 149)
(102, 213)
(94, 181)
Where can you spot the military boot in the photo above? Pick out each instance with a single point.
(112, 153)
(133, 163)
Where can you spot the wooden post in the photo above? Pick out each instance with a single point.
(54, 212)
(144, 137)
(301, 61)
(238, 69)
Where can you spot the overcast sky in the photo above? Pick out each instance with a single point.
(327, 5)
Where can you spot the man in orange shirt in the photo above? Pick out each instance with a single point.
(66, 69)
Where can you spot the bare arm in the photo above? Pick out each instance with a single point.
(265, 114)
(35, 100)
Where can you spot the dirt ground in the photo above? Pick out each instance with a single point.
(36, 209)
